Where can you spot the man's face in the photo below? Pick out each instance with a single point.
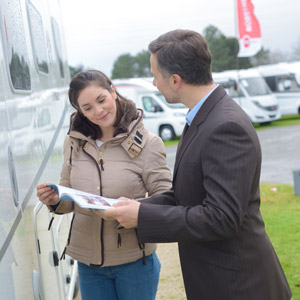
(162, 82)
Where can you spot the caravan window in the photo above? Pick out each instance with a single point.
(58, 46)
(14, 43)
(38, 38)
(287, 84)
(150, 105)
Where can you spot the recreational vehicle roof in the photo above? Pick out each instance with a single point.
(235, 74)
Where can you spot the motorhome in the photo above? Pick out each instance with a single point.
(160, 117)
(250, 91)
(284, 81)
(33, 108)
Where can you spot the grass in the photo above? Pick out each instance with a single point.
(284, 121)
(281, 212)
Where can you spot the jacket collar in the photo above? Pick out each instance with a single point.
(134, 140)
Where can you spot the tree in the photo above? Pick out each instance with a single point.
(124, 67)
(142, 64)
(295, 55)
(261, 58)
(75, 70)
(127, 66)
(224, 51)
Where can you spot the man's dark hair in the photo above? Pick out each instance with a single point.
(183, 52)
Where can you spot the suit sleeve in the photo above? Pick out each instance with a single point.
(230, 160)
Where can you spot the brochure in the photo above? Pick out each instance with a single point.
(83, 199)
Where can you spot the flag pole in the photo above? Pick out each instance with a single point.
(237, 64)
(236, 33)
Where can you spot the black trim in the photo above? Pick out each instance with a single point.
(137, 140)
(139, 134)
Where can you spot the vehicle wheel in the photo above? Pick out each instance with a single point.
(166, 132)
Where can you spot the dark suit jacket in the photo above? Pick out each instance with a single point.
(213, 212)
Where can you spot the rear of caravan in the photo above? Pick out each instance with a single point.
(34, 79)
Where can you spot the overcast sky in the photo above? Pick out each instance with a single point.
(97, 32)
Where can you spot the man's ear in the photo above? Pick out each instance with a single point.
(175, 81)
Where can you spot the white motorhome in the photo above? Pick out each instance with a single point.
(34, 79)
(160, 117)
(284, 81)
(250, 91)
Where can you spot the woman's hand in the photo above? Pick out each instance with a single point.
(46, 195)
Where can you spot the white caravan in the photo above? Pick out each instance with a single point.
(34, 79)
(160, 117)
(250, 91)
(284, 81)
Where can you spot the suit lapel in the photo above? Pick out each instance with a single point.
(185, 140)
(190, 132)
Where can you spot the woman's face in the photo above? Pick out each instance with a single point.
(99, 106)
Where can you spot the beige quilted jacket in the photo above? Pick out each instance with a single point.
(131, 164)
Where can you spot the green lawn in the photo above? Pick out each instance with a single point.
(284, 121)
(281, 212)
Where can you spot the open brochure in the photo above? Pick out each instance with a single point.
(83, 199)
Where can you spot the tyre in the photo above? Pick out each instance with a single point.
(166, 132)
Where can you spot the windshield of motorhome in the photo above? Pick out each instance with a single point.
(256, 86)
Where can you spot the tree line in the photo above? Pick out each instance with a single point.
(224, 57)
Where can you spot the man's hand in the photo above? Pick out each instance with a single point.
(125, 212)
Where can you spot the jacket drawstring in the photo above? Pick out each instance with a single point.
(119, 239)
(63, 255)
(70, 158)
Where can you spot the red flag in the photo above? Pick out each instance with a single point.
(249, 34)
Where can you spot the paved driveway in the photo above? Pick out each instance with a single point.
(280, 154)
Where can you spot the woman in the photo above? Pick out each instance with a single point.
(109, 152)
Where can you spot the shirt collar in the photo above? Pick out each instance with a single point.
(192, 113)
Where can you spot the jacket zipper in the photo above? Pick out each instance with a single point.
(102, 221)
(101, 162)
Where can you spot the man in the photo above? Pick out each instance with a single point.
(212, 210)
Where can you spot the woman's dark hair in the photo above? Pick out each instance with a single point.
(79, 82)
(183, 52)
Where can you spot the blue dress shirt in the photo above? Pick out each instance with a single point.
(192, 113)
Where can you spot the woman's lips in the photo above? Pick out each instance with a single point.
(104, 117)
